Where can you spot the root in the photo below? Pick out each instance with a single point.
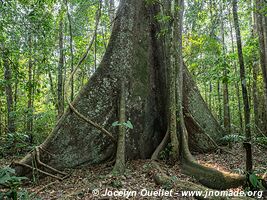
(161, 146)
(208, 136)
(207, 176)
(38, 162)
(45, 165)
(162, 179)
(39, 170)
(102, 129)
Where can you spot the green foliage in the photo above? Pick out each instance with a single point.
(233, 138)
(165, 153)
(14, 143)
(170, 183)
(22, 19)
(127, 124)
(116, 183)
(255, 182)
(163, 18)
(261, 140)
(241, 138)
(9, 180)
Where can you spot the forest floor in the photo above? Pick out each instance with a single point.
(83, 181)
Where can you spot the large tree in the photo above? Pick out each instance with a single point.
(136, 60)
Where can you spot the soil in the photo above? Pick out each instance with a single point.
(86, 180)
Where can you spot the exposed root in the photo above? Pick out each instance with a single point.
(38, 162)
(208, 136)
(102, 129)
(39, 170)
(211, 177)
(207, 176)
(45, 165)
(161, 146)
(162, 179)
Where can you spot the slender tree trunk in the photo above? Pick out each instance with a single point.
(237, 82)
(120, 156)
(255, 71)
(60, 72)
(261, 29)
(226, 104)
(255, 95)
(244, 87)
(30, 91)
(71, 52)
(219, 102)
(11, 127)
(1, 118)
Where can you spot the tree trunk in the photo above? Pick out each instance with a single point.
(262, 35)
(136, 53)
(219, 102)
(120, 156)
(243, 85)
(237, 82)
(11, 127)
(60, 104)
(71, 52)
(30, 91)
(226, 106)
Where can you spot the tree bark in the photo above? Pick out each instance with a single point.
(237, 82)
(71, 52)
(262, 37)
(120, 156)
(226, 105)
(137, 54)
(30, 91)
(243, 85)
(60, 94)
(11, 127)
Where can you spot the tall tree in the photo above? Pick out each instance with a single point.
(30, 89)
(244, 87)
(11, 127)
(236, 71)
(60, 69)
(136, 53)
(226, 105)
(262, 35)
(71, 51)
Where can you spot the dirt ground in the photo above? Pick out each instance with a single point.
(85, 181)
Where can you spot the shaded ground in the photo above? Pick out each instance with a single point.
(84, 181)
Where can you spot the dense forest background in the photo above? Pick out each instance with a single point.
(43, 41)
